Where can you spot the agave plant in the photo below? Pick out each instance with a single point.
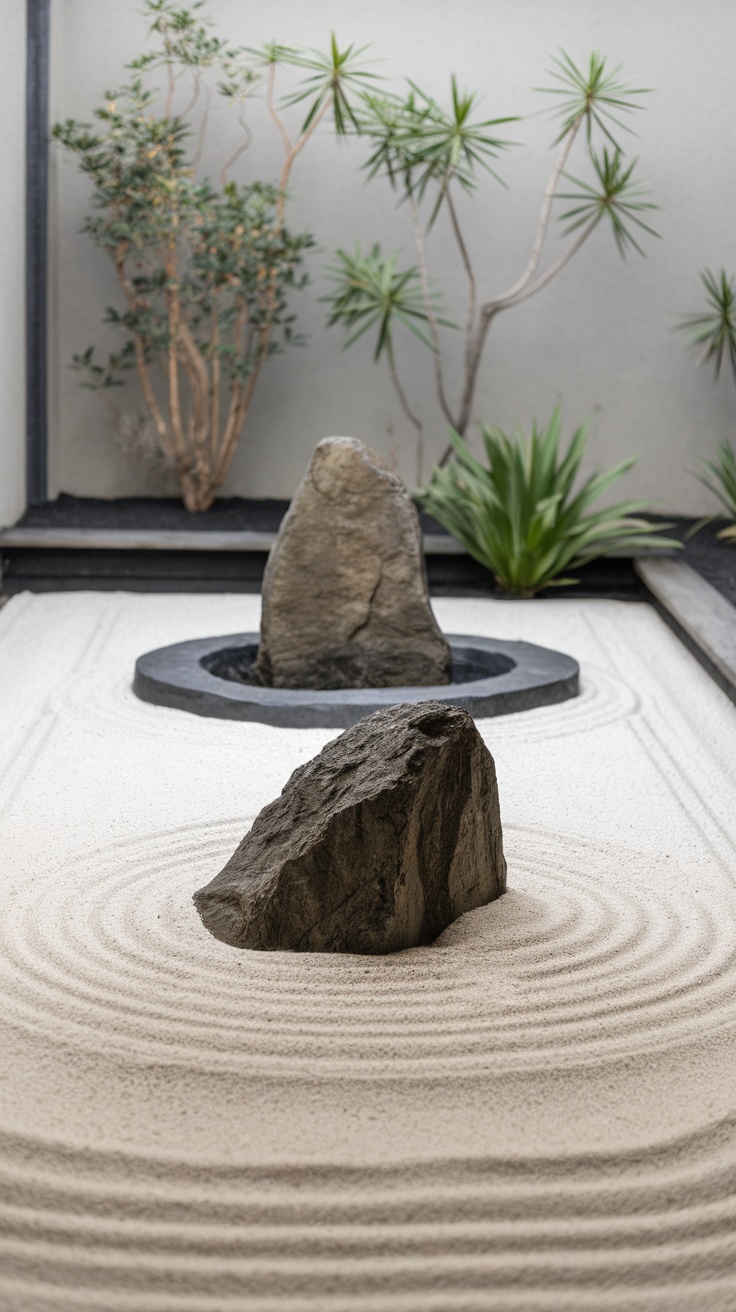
(521, 516)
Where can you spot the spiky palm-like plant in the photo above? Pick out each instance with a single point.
(714, 336)
(430, 154)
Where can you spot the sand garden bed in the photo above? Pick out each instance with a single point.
(536, 1112)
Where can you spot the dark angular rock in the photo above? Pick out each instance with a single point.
(345, 599)
(377, 844)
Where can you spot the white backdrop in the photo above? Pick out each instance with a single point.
(600, 338)
(12, 280)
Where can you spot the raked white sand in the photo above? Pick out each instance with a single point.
(538, 1112)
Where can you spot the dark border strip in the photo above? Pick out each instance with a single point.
(37, 117)
(492, 677)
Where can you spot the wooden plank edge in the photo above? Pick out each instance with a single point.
(703, 619)
(435, 544)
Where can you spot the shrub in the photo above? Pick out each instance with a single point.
(521, 517)
(206, 270)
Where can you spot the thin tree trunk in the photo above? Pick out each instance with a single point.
(471, 379)
(172, 374)
(239, 150)
(149, 395)
(429, 308)
(521, 289)
(470, 323)
(544, 216)
(409, 414)
(215, 383)
(242, 397)
(549, 273)
(290, 151)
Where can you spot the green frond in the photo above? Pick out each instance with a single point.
(338, 77)
(369, 290)
(714, 333)
(721, 481)
(592, 95)
(415, 142)
(613, 196)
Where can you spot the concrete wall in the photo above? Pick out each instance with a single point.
(600, 338)
(12, 240)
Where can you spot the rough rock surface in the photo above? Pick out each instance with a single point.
(345, 600)
(377, 844)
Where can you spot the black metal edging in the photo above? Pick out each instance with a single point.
(37, 130)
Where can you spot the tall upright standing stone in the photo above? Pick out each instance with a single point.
(345, 599)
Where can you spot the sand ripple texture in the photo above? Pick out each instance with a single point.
(645, 1231)
(111, 951)
(535, 1114)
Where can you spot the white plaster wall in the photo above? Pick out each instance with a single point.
(600, 338)
(12, 245)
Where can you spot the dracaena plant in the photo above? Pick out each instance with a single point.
(430, 155)
(714, 336)
(522, 516)
(206, 268)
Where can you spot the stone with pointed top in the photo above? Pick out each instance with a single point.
(377, 844)
(345, 599)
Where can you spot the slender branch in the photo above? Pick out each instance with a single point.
(149, 396)
(170, 92)
(241, 323)
(489, 312)
(214, 380)
(231, 447)
(409, 414)
(236, 386)
(202, 130)
(270, 105)
(199, 383)
(428, 307)
(192, 429)
(551, 271)
(238, 412)
(239, 149)
(195, 97)
(175, 404)
(290, 151)
(174, 313)
(471, 377)
(303, 139)
(522, 289)
(136, 303)
(242, 396)
(470, 324)
(292, 154)
(544, 217)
